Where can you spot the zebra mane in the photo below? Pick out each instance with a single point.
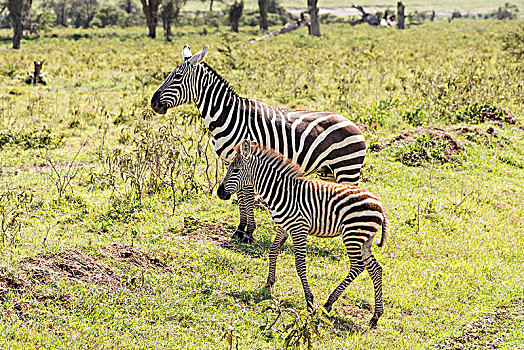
(288, 167)
(218, 76)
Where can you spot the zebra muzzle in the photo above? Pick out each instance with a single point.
(222, 194)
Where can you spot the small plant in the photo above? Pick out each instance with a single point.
(231, 336)
(298, 326)
(61, 176)
(14, 204)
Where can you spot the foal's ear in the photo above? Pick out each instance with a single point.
(246, 148)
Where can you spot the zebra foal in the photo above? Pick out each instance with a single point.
(322, 142)
(301, 206)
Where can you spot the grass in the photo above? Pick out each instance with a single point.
(456, 245)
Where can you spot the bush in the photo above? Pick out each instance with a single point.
(109, 16)
(41, 138)
(513, 42)
(235, 14)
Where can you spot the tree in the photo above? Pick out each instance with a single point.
(235, 12)
(150, 8)
(400, 15)
(263, 6)
(19, 13)
(60, 8)
(170, 12)
(314, 28)
(83, 11)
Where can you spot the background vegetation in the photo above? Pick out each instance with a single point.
(104, 246)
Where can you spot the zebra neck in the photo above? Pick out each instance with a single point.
(273, 184)
(215, 99)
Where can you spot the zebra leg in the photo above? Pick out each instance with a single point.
(249, 203)
(240, 231)
(299, 243)
(279, 241)
(375, 272)
(357, 266)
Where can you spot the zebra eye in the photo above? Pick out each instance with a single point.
(234, 171)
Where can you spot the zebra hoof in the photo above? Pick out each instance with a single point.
(373, 323)
(238, 235)
(247, 240)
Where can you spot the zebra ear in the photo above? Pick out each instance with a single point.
(199, 56)
(186, 52)
(246, 148)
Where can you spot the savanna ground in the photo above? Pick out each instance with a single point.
(97, 252)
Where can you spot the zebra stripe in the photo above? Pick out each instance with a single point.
(301, 206)
(322, 142)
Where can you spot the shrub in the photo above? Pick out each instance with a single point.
(513, 42)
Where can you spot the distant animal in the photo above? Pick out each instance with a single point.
(302, 206)
(322, 142)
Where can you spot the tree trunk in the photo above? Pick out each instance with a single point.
(19, 12)
(263, 6)
(299, 23)
(400, 15)
(314, 28)
(150, 9)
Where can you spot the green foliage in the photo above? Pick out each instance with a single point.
(33, 139)
(15, 202)
(297, 326)
(513, 42)
(235, 12)
(455, 253)
(108, 16)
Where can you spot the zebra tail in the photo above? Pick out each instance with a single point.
(380, 242)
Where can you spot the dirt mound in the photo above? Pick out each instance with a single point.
(499, 115)
(73, 265)
(218, 231)
(455, 146)
(363, 127)
(9, 282)
(131, 255)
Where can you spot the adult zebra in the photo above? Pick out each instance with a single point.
(301, 207)
(322, 142)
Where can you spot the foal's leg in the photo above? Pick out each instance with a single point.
(279, 241)
(249, 203)
(354, 250)
(375, 272)
(299, 242)
(241, 229)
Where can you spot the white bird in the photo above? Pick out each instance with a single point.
(186, 52)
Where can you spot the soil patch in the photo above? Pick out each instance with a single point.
(130, 255)
(488, 331)
(455, 146)
(218, 231)
(73, 265)
(363, 127)
(11, 283)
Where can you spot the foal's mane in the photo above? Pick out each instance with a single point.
(288, 166)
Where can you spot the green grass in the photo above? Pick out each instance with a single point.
(456, 247)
